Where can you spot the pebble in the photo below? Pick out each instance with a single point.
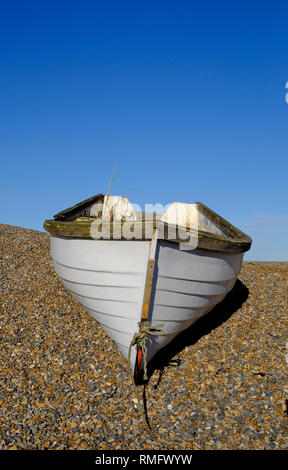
(222, 384)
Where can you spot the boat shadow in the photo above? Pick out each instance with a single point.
(209, 322)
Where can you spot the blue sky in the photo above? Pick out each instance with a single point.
(186, 98)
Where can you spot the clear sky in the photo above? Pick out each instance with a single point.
(187, 98)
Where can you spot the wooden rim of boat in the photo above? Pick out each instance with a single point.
(67, 224)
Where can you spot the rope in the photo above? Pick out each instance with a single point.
(140, 339)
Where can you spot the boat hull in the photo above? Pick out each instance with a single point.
(108, 278)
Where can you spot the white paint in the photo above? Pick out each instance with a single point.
(108, 279)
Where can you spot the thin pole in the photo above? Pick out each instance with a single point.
(108, 192)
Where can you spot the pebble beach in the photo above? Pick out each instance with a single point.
(221, 385)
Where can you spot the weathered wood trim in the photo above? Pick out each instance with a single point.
(82, 229)
(144, 315)
(222, 223)
(79, 209)
(237, 243)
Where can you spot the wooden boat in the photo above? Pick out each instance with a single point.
(122, 282)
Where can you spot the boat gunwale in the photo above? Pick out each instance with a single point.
(235, 242)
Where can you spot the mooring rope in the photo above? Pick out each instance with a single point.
(140, 339)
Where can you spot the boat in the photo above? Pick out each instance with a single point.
(138, 272)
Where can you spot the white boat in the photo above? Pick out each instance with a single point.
(123, 282)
